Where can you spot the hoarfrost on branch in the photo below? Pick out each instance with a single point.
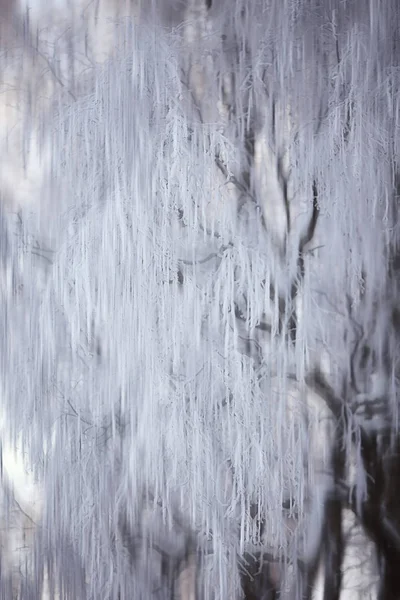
(199, 300)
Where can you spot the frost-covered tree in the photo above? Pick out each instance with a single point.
(202, 364)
